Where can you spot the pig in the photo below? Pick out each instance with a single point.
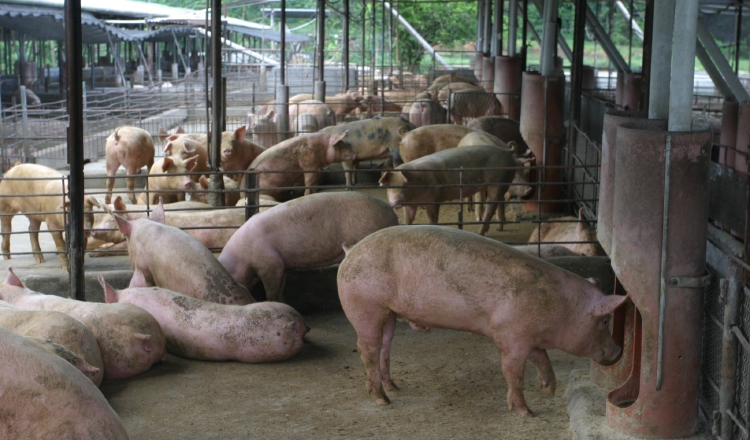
(346, 103)
(572, 233)
(452, 78)
(545, 250)
(47, 205)
(132, 148)
(182, 264)
(59, 328)
(185, 146)
(106, 229)
(306, 154)
(370, 139)
(322, 112)
(426, 112)
(129, 338)
(265, 132)
(376, 104)
(237, 153)
(453, 87)
(206, 331)
(68, 405)
(430, 139)
(264, 203)
(305, 123)
(232, 192)
(302, 233)
(73, 359)
(167, 180)
(472, 104)
(409, 185)
(434, 276)
(211, 228)
(164, 134)
(31, 97)
(505, 129)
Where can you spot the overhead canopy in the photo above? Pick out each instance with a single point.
(262, 31)
(294, 13)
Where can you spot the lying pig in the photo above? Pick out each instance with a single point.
(370, 139)
(416, 182)
(302, 233)
(68, 404)
(64, 352)
(56, 327)
(167, 180)
(434, 276)
(306, 154)
(40, 200)
(505, 129)
(212, 228)
(182, 264)
(545, 250)
(430, 139)
(130, 339)
(232, 193)
(573, 234)
(451, 78)
(132, 148)
(202, 330)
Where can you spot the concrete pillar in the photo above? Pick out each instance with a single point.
(661, 56)
(683, 66)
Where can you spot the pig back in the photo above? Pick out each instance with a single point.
(48, 194)
(430, 139)
(72, 406)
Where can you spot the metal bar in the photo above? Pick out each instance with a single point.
(346, 45)
(607, 44)
(737, 37)
(525, 37)
(75, 240)
(216, 182)
(251, 194)
(737, 422)
(713, 72)
(576, 75)
(663, 277)
(729, 348)
(683, 66)
(282, 45)
(461, 199)
(705, 37)
(628, 16)
(320, 52)
(512, 27)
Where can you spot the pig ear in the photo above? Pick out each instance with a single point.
(162, 134)
(271, 114)
(120, 205)
(157, 214)
(180, 129)
(384, 178)
(607, 304)
(337, 137)
(407, 175)
(123, 225)
(12, 279)
(145, 340)
(110, 294)
(166, 163)
(239, 134)
(203, 181)
(191, 163)
(188, 145)
(168, 148)
(347, 247)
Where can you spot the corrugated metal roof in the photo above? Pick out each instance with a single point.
(198, 18)
(121, 8)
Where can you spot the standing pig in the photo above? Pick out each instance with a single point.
(305, 154)
(505, 129)
(56, 327)
(417, 183)
(441, 277)
(430, 139)
(472, 104)
(132, 148)
(302, 233)
(545, 250)
(181, 264)
(202, 330)
(263, 127)
(370, 139)
(426, 112)
(67, 405)
(185, 146)
(42, 200)
(322, 112)
(167, 180)
(237, 153)
(572, 233)
(130, 339)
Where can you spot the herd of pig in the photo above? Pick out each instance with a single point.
(183, 300)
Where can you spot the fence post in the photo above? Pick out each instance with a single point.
(727, 388)
(461, 199)
(24, 120)
(252, 196)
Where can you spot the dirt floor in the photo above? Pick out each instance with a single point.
(451, 387)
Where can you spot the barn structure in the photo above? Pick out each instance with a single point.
(639, 158)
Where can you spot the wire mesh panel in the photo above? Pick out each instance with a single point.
(742, 397)
(728, 199)
(712, 343)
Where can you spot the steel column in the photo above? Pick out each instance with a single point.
(704, 36)
(346, 45)
(549, 34)
(75, 240)
(216, 182)
(282, 44)
(683, 66)
(512, 27)
(320, 52)
(661, 56)
(713, 72)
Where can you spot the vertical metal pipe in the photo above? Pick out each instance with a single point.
(512, 27)
(683, 66)
(216, 182)
(661, 54)
(252, 199)
(729, 348)
(525, 39)
(282, 112)
(346, 45)
(663, 277)
(282, 48)
(320, 53)
(480, 25)
(576, 74)
(548, 38)
(737, 37)
(495, 29)
(648, 35)
(487, 27)
(75, 240)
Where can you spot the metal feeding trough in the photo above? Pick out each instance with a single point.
(658, 254)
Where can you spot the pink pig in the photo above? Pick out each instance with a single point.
(434, 276)
(132, 148)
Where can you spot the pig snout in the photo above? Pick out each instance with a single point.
(610, 355)
(395, 200)
(226, 152)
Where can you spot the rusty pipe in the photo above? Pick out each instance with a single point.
(663, 280)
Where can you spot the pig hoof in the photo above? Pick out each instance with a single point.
(547, 387)
(382, 401)
(6, 257)
(389, 385)
(524, 412)
(500, 227)
(39, 259)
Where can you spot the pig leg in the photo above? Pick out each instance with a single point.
(131, 184)
(409, 213)
(311, 179)
(368, 322)
(112, 166)
(60, 245)
(478, 201)
(6, 221)
(272, 275)
(34, 226)
(432, 213)
(141, 279)
(545, 374)
(385, 353)
(513, 362)
(351, 177)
